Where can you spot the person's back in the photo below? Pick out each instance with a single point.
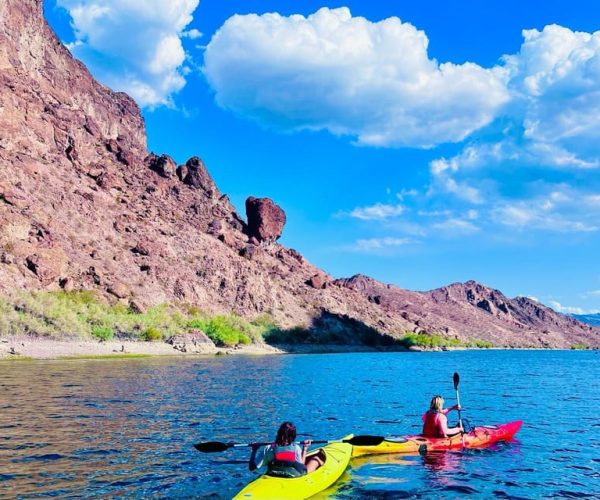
(287, 461)
(433, 425)
(435, 422)
(285, 458)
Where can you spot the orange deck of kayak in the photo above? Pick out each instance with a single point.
(478, 437)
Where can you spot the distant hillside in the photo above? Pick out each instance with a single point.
(85, 206)
(590, 319)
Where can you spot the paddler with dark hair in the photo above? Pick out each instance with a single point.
(285, 457)
(435, 422)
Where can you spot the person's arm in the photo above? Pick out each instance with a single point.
(305, 444)
(445, 430)
(445, 411)
(260, 456)
(252, 461)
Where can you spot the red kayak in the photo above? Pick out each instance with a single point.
(478, 437)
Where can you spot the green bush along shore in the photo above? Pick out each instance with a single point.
(434, 341)
(85, 315)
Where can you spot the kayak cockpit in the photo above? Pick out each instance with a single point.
(284, 469)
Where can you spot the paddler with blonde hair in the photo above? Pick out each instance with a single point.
(435, 422)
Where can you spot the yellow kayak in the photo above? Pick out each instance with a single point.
(337, 456)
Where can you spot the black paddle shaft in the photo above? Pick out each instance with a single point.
(456, 379)
(217, 446)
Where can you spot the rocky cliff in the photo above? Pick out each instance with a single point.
(83, 204)
(468, 311)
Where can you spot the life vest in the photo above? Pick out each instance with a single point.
(285, 453)
(431, 428)
(285, 463)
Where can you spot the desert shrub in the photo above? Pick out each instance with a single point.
(225, 331)
(429, 340)
(120, 309)
(86, 314)
(245, 340)
(151, 335)
(579, 347)
(481, 344)
(85, 297)
(196, 324)
(190, 310)
(103, 332)
(264, 321)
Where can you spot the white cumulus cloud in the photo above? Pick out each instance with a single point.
(379, 245)
(558, 71)
(554, 111)
(555, 212)
(133, 45)
(557, 306)
(379, 211)
(456, 226)
(192, 34)
(373, 81)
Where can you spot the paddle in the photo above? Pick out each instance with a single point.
(216, 446)
(456, 379)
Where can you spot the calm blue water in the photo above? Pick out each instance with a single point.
(126, 427)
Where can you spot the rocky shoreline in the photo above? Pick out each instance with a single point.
(24, 348)
(29, 348)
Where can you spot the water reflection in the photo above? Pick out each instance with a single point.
(436, 462)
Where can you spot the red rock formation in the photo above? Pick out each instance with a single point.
(265, 219)
(163, 165)
(50, 101)
(198, 177)
(317, 281)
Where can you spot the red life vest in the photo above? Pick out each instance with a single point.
(431, 425)
(285, 453)
(286, 462)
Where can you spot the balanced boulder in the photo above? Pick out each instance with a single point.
(265, 219)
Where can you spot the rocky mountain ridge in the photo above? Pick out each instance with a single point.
(83, 204)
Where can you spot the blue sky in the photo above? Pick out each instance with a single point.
(421, 143)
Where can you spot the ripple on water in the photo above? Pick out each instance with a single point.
(508, 496)
(127, 431)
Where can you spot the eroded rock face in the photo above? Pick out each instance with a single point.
(197, 176)
(265, 219)
(48, 264)
(163, 165)
(50, 101)
(119, 290)
(318, 281)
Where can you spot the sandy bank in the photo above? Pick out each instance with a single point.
(18, 348)
(35, 348)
